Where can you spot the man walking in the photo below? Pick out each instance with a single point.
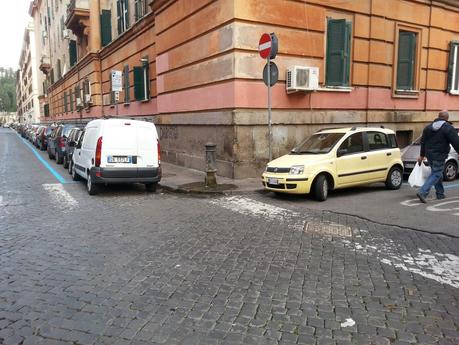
(435, 142)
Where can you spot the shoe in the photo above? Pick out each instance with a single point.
(440, 196)
(421, 197)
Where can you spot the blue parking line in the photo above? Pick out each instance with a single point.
(451, 186)
(45, 163)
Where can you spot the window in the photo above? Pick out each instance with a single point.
(72, 53)
(139, 9)
(122, 7)
(71, 100)
(352, 144)
(46, 110)
(126, 83)
(338, 52)
(406, 61)
(106, 27)
(377, 141)
(453, 68)
(142, 81)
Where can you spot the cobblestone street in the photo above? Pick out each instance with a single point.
(127, 267)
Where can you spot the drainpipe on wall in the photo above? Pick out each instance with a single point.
(428, 55)
(368, 69)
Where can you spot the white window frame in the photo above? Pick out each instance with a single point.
(455, 69)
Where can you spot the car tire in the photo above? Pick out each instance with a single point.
(50, 155)
(92, 188)
(151, 187)
(65, 162)
(70, 168)
(394, 178)
(320, 188)
(75, 176)
(450, 171)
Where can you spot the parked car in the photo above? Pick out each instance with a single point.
(337, 158)
(42, 138)
(37, 134)
(412, 151)
(117, 151)
(57, 139)
(73, 138)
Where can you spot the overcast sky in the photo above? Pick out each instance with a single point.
(14, 16)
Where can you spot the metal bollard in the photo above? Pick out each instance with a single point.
(211, 164)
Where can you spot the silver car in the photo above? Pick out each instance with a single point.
(412, 151)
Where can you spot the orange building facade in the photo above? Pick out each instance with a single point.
(192, 67)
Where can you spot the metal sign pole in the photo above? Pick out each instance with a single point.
(116, 102)
(269, 111)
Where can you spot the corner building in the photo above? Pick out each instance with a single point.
(192, 67)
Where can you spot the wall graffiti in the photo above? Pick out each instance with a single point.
(168, 132)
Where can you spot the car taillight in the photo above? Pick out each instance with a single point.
(159, 152)
(98, 151)
(62, 142)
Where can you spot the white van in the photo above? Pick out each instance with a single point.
(117, 151)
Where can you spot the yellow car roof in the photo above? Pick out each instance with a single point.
(355, 129)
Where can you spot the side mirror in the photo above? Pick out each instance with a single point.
(341, 152)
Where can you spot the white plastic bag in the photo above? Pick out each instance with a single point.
(419, 175)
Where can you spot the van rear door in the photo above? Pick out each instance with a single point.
(147, 144)
(119, 145)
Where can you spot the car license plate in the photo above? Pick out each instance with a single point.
(273, 180)
(119, 159)
(409, 165)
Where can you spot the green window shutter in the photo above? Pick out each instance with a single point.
(137, 10)
(406, 60)
(139, 91)
(126, 83)
(453, 62)
(106, 27)
(65, 101)
(46, 110)
(71, 100)
(72, 53)
(338, 52)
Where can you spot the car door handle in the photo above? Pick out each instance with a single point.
(363, 157)
(388, 154)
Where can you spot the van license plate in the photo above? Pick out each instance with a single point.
(119, 159)
(273, 180)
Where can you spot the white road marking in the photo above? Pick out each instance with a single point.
(411, 202)
(60, 196)
(348, 323)
(443, 268)
(438, 207)
(251, 207)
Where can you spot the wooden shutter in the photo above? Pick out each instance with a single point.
(139, 92)
(453, 67)
(338, 52)
(146, 77)
(73, 53)
(406, 60)
(126, 83)
(71, 99)
(137, 14)
(65, 102)
(106, 27)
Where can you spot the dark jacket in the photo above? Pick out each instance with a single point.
(436, 139)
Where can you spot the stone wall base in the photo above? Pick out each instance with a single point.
(242, 135)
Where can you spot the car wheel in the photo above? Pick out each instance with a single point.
(394, 178)
(65, 163)
(50, 155)
(59, 158)
(151, 187)
(320, 188)
(92, 188)
(75, 176)
(70, 167)
(450, 171)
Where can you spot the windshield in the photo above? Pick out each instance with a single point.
(318, 143)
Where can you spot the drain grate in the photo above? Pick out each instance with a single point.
(329, 229)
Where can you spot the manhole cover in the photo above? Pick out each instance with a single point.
(329, 229)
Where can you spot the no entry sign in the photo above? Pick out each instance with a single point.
(264, 46)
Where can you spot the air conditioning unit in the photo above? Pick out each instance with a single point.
(66, 33)
(302, 78)
(79, 103)
(87, 98)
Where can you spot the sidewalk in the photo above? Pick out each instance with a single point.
(184, 180)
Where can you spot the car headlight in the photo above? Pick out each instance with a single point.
(296, 170)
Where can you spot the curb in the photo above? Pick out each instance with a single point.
(209, 192)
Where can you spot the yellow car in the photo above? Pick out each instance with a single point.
(337, 158)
